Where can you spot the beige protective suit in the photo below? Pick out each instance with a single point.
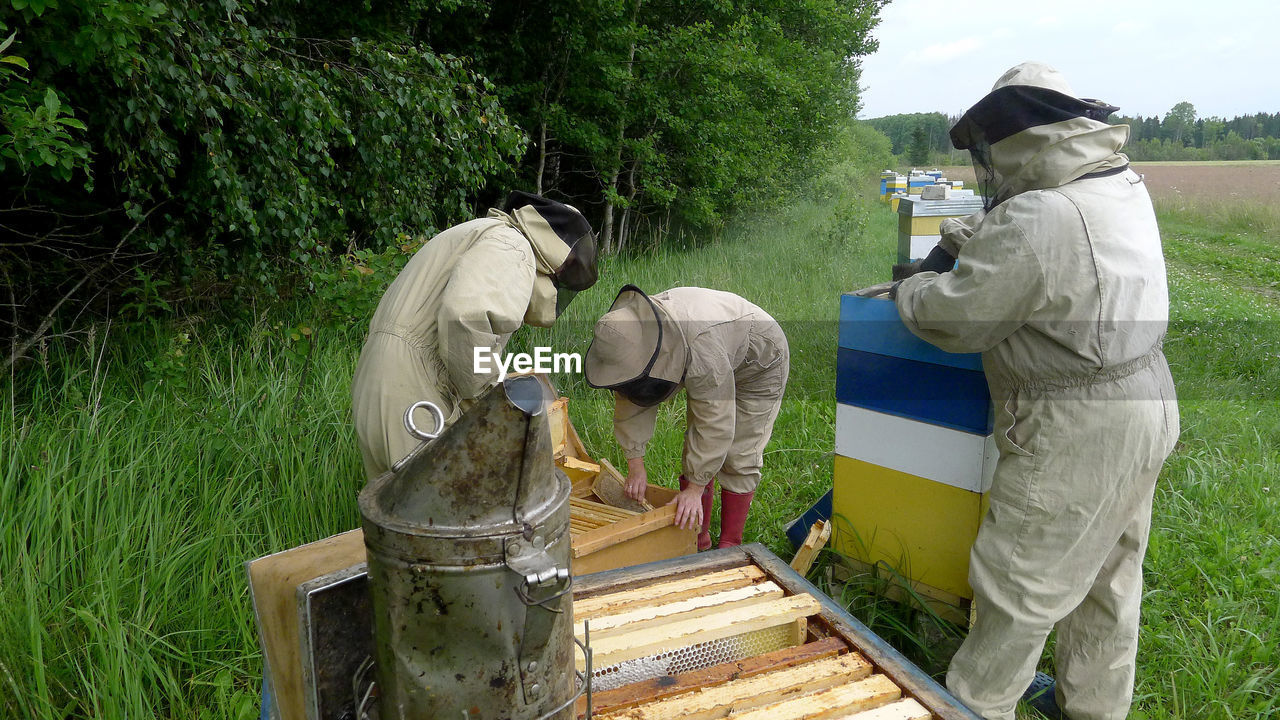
(469, 287)
(1062, 288)
(735, 375)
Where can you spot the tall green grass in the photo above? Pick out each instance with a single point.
(142, 469)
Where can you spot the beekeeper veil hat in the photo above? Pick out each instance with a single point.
(636, 350)
(1026, 97)
(565, 248)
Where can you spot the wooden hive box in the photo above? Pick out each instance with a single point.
(914, 454)
(738, 633)
(609, 530)
(920, 221)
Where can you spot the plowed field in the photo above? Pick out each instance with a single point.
(1244, 181)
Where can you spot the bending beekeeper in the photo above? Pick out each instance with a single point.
(469, 287)
(1061, 286)
(732, 359)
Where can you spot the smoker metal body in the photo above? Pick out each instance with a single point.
(468, 561)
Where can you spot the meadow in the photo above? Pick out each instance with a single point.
(144, 466)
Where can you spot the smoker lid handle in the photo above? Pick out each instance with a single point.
(436, 415)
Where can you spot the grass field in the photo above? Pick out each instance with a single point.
(142, 469)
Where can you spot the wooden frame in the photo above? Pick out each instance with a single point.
(830, 621)
(642, 531)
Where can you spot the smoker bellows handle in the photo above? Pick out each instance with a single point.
(435, 415)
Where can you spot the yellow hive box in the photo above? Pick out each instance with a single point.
(921, 528)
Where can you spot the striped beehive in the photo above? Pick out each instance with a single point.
(916, 182)
(919, 221)
(914, 453)
(894, 186)
(885, 177)
(736, 633)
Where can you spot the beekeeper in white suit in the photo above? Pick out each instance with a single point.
(1061, 286)
(732, 359)
(469, 287)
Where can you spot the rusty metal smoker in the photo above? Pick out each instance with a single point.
(468, 557)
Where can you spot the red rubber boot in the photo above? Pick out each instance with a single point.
(733, 516)
(708, 499)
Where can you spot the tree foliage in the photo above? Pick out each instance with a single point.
(919, 136)
(242, 144)
(1182, 135)
(214, 144)
(659, 108)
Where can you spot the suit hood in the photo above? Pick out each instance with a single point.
(1031, 133)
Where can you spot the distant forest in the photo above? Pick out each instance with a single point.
(922, 138)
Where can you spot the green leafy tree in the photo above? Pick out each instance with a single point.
(40, 131)
(1179, 123)
(918, 150)
(226, 148)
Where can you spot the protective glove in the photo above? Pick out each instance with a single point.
(874, 290)
(938, 260)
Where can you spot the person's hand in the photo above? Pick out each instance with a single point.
(637, 483)
(689, 507)
(874, 290)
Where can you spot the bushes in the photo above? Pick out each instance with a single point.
(220, 149)
(223, 148)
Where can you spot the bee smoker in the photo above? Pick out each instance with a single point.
(468, 563)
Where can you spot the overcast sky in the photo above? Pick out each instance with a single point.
(1142, 55)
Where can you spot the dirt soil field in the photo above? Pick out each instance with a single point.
(1245, 181)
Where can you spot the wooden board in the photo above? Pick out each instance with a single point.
(661, 592)
(686, 609)
(668, 685)
(760, 690)
(580, 472)
(556, 414)
(650, 641)
(866, 694)
(817, 539)
(624, 530)
(565, 441)
(661, 544)
(908, 709)
(273, 581)
(585, 508)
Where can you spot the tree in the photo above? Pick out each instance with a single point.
(918, 151)
(1179, 123)
(221, 149)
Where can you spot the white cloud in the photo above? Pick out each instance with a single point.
(949, 51)
(1129, 28)
(1048, 21)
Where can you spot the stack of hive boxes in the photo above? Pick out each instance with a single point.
(920, 219)
(895, 187)
(916, 182)
(885, 177)
(914, 453)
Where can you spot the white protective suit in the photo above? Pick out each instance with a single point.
(469, 287)
(1062, 288)
(734, 379)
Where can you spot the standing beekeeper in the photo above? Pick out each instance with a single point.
(732, 359)
(1061, 286)
(468, 288)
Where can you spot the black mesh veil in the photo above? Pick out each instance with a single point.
(985, 172)
(1007, 111)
